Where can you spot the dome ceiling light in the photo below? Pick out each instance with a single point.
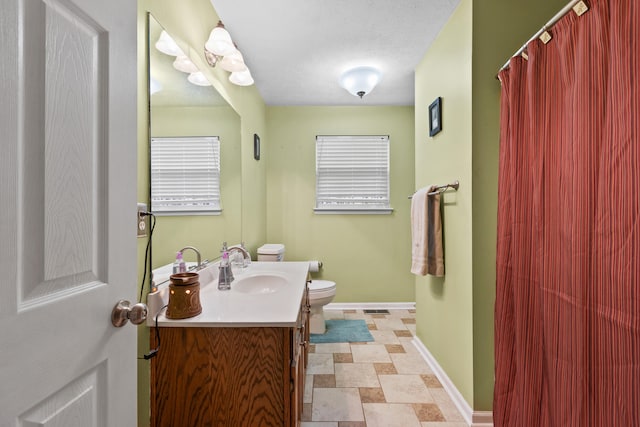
(360, 81)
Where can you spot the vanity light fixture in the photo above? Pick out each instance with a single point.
(184, 64)
(167, 45)
(220, 49)
(241, 78)
(360, 81)
(199, 79)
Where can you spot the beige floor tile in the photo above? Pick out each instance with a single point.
(392, 324)
(384, 337)
(306, 412)
(411, 328)
(406, 333)
(356, 375)
(428, 412)
(405, 389)
(372, 326)
(372, 395)
(355, 316)
(336, 404)
(318, 424)
(338, 347)
(409, 346)
(409, 363)
(409, 321)
(395, 348)
(352, 424)
(443, 424)
(343, 357)
(401, 313)
(446, 405)
(312, 348)
(390, 415)
(370, 353)
(431, 381)
(349, 311)
(324, 381)
(308, 389)
(333, 314)
(385, 369)
(320, 363)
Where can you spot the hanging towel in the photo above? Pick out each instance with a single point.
(427, 254)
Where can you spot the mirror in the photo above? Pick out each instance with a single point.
(179, 108)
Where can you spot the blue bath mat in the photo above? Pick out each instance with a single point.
(343, 331)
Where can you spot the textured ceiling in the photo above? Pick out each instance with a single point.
(297, 49)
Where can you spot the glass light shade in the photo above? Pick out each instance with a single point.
(241, 78)
(360, 81)
(167, 45)
(184, 64)
(219, 41)
(154, 86)
(233, 62)
(199, 79)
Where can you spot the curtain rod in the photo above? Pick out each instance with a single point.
(547, 26)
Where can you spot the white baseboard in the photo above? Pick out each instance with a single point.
(471, 417)
(370, 306)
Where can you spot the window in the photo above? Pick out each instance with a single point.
(185, 175)
(352, 174)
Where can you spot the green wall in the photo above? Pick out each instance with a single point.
(444, 305)
(368, 256)
(455, 314)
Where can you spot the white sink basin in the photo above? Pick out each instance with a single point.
(260, 283)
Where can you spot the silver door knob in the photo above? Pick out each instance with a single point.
(124, 312)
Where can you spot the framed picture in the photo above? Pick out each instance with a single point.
(435, 116)
(256, 146)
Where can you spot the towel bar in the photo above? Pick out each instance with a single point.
(442, 188)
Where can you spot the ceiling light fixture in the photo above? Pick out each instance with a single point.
(360, 81)
(220, 49)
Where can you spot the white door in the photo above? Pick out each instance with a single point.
(68, 200)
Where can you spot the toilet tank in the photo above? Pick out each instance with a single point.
(271, 252)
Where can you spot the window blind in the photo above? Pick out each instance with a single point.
(352, 173)
(185, 174)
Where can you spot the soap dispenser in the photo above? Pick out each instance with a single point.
(179, 265)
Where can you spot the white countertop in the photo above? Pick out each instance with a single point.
(237, 309)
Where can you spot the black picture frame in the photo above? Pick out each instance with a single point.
(256, 146)
(435, 116)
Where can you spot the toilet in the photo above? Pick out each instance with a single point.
(321, 292)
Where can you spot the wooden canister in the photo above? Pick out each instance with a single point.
(184, 296)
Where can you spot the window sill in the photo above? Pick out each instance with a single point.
(188, 213)
(381, 211)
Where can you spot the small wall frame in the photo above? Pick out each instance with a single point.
(256, 146)
(435, 116)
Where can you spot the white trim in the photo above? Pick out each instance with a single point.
(370, 306)
(471, 417)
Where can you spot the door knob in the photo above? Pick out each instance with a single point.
(124, 312)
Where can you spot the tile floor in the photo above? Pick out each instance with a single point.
(384, 383)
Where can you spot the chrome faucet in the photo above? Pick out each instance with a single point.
(198, 257)
(245, 254)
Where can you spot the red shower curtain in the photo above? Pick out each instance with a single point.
(567, 314)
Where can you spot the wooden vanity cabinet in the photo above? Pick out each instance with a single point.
(253, 376)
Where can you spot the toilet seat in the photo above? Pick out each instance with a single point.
(319, 289)
(321, 285)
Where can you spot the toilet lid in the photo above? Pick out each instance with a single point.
(321, 285)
